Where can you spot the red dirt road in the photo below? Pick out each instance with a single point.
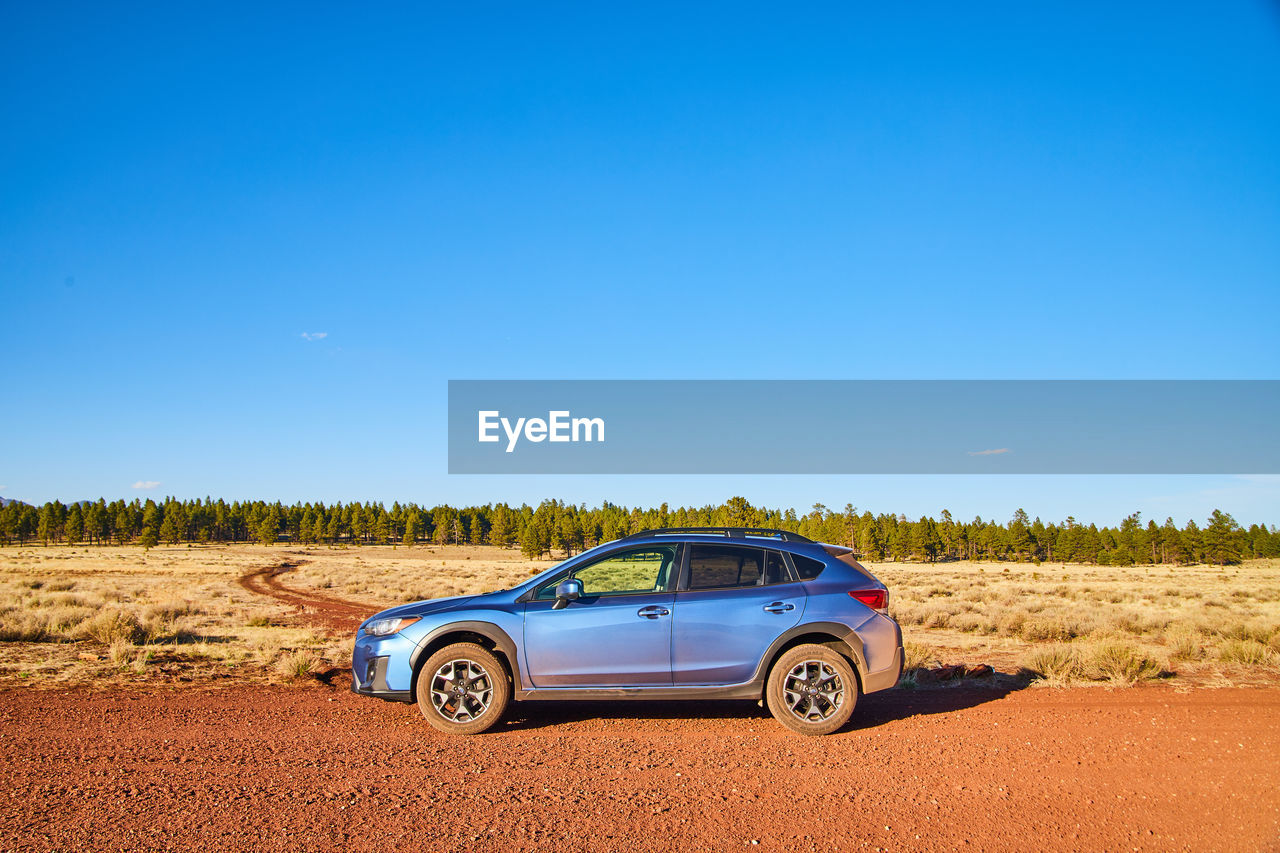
(253, 768)
(312, 606)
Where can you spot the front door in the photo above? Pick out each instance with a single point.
(617, 635)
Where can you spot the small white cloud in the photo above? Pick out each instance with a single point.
(146, 484)
(2, 488)
(995, 452)
(314, 336)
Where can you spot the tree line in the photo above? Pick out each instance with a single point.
(555, 527)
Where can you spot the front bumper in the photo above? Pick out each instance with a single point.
(379, 668)
(373, 682)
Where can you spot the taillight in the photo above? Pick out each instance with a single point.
(876, 599)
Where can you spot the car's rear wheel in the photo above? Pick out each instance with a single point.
(463, 689)
(812, 690)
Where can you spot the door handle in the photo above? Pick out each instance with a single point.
(653, 611)
(778, 607)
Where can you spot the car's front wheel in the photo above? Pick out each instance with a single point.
(812, 690)
(463, 689)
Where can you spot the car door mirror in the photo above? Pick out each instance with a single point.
(567, 590)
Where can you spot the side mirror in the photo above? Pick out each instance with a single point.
(567, 590)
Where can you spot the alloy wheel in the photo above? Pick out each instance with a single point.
(461, 691)
(813, 691)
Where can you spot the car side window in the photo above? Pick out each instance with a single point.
(775, 571)
(621, 573)
(807, 568)
(728, 566)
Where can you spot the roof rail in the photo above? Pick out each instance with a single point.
(762, 532)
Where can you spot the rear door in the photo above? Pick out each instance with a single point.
(733, 602)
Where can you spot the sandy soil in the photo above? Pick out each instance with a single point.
(249, 768)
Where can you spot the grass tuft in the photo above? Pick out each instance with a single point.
(1184, 644)
(1121, 663)
(298, 664)
(111, 625)
(1247, 652)
(1055, 665)
(917, 656)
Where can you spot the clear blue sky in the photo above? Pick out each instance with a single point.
(552, 191)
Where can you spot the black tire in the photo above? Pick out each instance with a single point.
(463, 689)
(812, 690)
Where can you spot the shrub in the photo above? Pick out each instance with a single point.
(167, 622)
(1121, 663)
(916, 656)
(19, 627)
(120, 652)
(141, 660)
(1011, 622)
(1184, 644)
(1247, 652)
(1042, 629)
(1258, 631)
(297, 664)
(169, 610)
(111, 625)
(1056, 664)
(971, 623)
(936, 619)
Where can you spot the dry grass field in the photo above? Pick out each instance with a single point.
(1076, 623)
(178, 614)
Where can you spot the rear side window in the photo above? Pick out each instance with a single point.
(807, 568)
(716, 566)
(775, 571)
(729, 566)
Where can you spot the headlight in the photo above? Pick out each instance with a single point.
(384, 627)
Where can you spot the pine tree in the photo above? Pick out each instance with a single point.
(1219, 539)
(47, 525)
(170, 530)
(410, 528)
(267, 527)
(502, 532)
(1020, 534)
(530, 543)
(124, 527)
(74, 525)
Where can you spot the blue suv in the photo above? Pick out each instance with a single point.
(677, 613)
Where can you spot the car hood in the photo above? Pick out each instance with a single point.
(422, 608)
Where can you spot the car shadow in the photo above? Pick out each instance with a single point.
(899, 703)
(875, 710)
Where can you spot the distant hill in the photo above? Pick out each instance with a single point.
(7, 501)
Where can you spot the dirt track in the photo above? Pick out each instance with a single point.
(325, 610)
(250, 768)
